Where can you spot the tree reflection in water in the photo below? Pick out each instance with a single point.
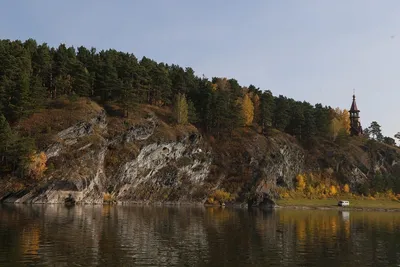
(196, 236)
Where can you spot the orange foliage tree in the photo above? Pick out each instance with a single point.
(332, 190)
(346, 188)
(37, 165)
(300, 182)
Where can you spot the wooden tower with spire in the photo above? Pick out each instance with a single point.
(355, 125)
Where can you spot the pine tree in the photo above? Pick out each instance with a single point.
(281, 113)
(20, 100)
(267, 107)
(177, 77)
(127, 98)
(309, 127)
(107, 82)
(20, 153)
(63, 85)
(367, 133)
(322, 119)
(5, 137)
(256, 104)
(161, 85)
(235, 89)
(296, 122)
(389, 141)
(192, 114)
(42, 68)
(222, 113)
(81, 80)
(375, 131)
(38, 92)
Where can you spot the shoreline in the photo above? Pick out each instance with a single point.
(387, 205)
(231, 205)
(303, 207)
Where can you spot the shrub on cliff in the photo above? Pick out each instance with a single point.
(300, 182)
(37, 165)
(219, 196)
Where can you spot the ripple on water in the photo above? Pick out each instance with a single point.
(187, 236)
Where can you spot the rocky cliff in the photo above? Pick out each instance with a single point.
(149, 159)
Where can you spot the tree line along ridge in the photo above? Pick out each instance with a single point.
(32, 74)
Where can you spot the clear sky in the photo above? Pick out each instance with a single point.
(313, 50)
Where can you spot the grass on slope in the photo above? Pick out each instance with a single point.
(58, 115)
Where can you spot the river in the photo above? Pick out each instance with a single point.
(53, 235)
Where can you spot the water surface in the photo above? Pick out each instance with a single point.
(53, 235)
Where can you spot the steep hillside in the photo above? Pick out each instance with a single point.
(96, 155)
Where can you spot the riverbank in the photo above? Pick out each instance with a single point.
(331, 203)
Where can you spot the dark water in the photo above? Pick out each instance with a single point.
(52, 235)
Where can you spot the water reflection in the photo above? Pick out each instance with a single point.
(195, 236)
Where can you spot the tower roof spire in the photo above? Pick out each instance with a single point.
(355, 125)
(354, 104)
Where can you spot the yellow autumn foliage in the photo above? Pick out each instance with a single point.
(284, 195)
(389, 194)
(300, 182)
(321, 185)
(220, 196)
(332, 190)
(341, 122)
(181, 109)
(346, 188)
(335, 127)
(108, 198)
(345, 120)
(30, 240)
(37, 165)
(248, 110)
(210, 200)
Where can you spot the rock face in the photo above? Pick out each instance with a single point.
(150, 161)
(84, 166)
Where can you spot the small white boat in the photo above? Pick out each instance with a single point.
(343, 203)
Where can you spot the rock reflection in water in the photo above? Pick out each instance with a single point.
(195, 236)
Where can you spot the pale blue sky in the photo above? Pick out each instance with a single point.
(313, 50)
